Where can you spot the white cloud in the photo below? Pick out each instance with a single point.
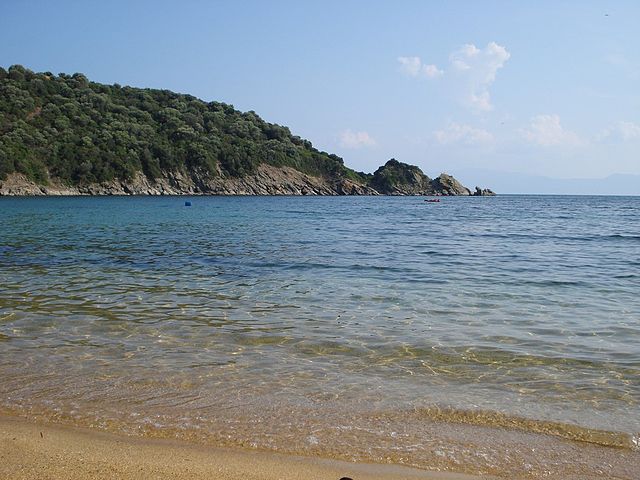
(626, 131)
(465, 134)
(477, 69)
(629, 130)
(410, 65)
(546, 131)
(431, 71)
(349, 139)
(413, 67)
(474, 70)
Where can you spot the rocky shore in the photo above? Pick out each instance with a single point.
(267, 180)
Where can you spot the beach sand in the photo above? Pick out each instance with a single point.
(31, 450)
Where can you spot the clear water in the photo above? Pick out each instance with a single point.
(318, 324)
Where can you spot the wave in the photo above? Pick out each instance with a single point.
(573, 238)
(494, 419)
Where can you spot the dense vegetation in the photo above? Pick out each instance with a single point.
(83, 132)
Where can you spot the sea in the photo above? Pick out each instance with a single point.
(483, 334)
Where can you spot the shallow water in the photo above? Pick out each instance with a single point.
(310, 324)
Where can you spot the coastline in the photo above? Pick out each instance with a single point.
(34, 450)
(266, 180)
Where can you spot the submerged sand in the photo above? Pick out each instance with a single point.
(31, 450)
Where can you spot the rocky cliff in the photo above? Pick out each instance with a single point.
(266, 180)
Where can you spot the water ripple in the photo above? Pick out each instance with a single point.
(143, 310)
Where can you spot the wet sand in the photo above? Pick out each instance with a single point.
(31, 450)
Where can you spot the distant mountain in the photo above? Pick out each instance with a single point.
(63, 134)
(505, 182)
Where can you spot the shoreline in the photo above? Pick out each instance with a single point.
(266, 180)
(35, 450)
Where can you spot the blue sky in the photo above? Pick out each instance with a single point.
(537, 88)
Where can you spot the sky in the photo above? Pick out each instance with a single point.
(544, 89)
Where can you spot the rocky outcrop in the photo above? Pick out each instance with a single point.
(447, 185)
(394, 178)
(397, 178)
(348, 187)
(483, 192)
(19, 185)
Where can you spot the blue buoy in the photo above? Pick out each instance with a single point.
(187, 204)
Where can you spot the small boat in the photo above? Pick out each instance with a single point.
(433, 200)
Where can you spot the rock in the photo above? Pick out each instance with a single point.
(397, 178)
(394, 178)
(348, 187)
(483, 192)
(447, 185)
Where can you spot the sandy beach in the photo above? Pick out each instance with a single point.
(31, 450)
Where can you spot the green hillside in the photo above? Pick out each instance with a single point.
(85, 132)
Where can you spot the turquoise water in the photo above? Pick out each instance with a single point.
(291, 321)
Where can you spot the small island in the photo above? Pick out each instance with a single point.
(65, 135)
